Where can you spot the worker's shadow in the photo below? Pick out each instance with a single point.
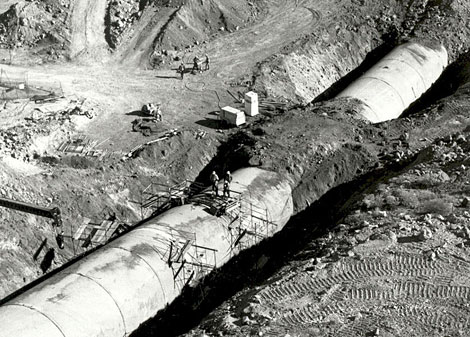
(138, 113)
(167, 77)
(39, 250)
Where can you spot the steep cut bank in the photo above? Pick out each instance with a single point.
(88, 30)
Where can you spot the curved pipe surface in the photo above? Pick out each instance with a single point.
(396, 81)
(113, 290)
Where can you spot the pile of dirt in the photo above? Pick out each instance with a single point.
(446, 22)
(41, 25)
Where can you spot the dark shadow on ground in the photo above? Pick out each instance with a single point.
(168, 77)
(211, 123)
(39, 250)
(409, 239)
(454, 76)
(138, 113)
(231, 155)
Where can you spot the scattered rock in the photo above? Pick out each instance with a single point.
(425, 234)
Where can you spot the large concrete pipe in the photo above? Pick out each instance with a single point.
(399, 79)
(113, 290)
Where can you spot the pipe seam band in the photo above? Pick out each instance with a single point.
(389, 85)
(39, 312)
(107, 292)
(148, 264)
(410, 66)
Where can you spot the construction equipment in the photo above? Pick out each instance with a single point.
(147, 126)
(153, 110)
(51, 213)
(78, 110)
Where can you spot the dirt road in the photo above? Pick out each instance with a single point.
(239, 52)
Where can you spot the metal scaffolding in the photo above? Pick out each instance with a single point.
(188, 260)
(91, 234)
(23, 88)
(157, 198)
(249, 224)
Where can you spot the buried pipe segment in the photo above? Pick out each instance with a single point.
(116, 288)
(396, 81)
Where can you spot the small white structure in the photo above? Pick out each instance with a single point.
(232, 116)
(251, 103)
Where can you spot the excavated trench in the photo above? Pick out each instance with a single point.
(254, 265)
(390, 41)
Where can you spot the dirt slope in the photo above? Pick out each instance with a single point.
(138, 48)
(87, 28)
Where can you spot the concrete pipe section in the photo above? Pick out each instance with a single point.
(116, 288)
(399, 79)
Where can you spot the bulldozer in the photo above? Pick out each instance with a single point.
(153, 110)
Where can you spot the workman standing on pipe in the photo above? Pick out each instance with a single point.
(214, 178)
(227, 180)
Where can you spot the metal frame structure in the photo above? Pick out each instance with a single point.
(188, 260)
(51, 213)
(23, 89)
(91, 233)
(249, 225)
(157, 197)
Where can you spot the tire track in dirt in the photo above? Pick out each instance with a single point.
(403, 265)
(409, 290)
(424, 313)
(435, 315)
(239, 51)
(420, 279)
